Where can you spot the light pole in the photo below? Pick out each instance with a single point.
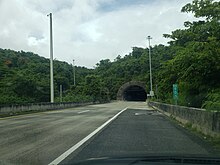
(61, 93)
(151, 86)
(74, 73)
(51, 61)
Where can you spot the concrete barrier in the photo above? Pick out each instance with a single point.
(14, 109)
(207, 122)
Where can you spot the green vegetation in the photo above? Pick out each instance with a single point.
(196, 64)
(25, 78)
(191, 60)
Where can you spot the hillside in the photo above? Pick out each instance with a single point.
(191, 60)
(25, 77)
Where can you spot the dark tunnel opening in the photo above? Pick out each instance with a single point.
(134, 93)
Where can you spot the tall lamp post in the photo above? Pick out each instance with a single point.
(51, 61)
(74, 73)
(151, 85)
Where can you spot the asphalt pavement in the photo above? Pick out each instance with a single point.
(39, 138)
(42, 138)
(141, 132)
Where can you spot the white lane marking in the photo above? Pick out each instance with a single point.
(136, 114)
(83, 111)
(77, 145)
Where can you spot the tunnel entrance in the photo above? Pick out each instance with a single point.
(134, 93)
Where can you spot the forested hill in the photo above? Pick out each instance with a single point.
(133, 66)
(25, 77)
(191, 60)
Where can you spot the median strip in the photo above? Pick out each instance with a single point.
(80, 143)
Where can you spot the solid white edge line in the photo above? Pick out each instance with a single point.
(83, 111)
(77, 145)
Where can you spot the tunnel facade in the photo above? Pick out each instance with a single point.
(132, 91)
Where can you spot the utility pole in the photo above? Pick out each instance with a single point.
(61, 93)
(51, 61)
(74, 73)
(151, 84)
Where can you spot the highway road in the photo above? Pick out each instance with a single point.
(41, 137)
(138, 133)
(58, 136)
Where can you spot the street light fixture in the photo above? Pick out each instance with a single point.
(51, 61)
(151, 85)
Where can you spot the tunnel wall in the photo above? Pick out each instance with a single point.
(127, 85)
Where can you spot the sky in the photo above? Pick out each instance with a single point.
(88, 30)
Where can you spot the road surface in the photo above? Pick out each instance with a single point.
(138, 133)
(41, 138)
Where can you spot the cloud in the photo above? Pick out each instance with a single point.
(87, 30)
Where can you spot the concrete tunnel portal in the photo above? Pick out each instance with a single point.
(132, 91)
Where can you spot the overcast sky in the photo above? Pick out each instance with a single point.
(87, 30)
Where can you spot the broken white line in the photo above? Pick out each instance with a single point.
(83, 111)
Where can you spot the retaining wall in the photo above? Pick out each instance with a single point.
(208, 122)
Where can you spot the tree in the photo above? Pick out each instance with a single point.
(197, 58)
(93, 87)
